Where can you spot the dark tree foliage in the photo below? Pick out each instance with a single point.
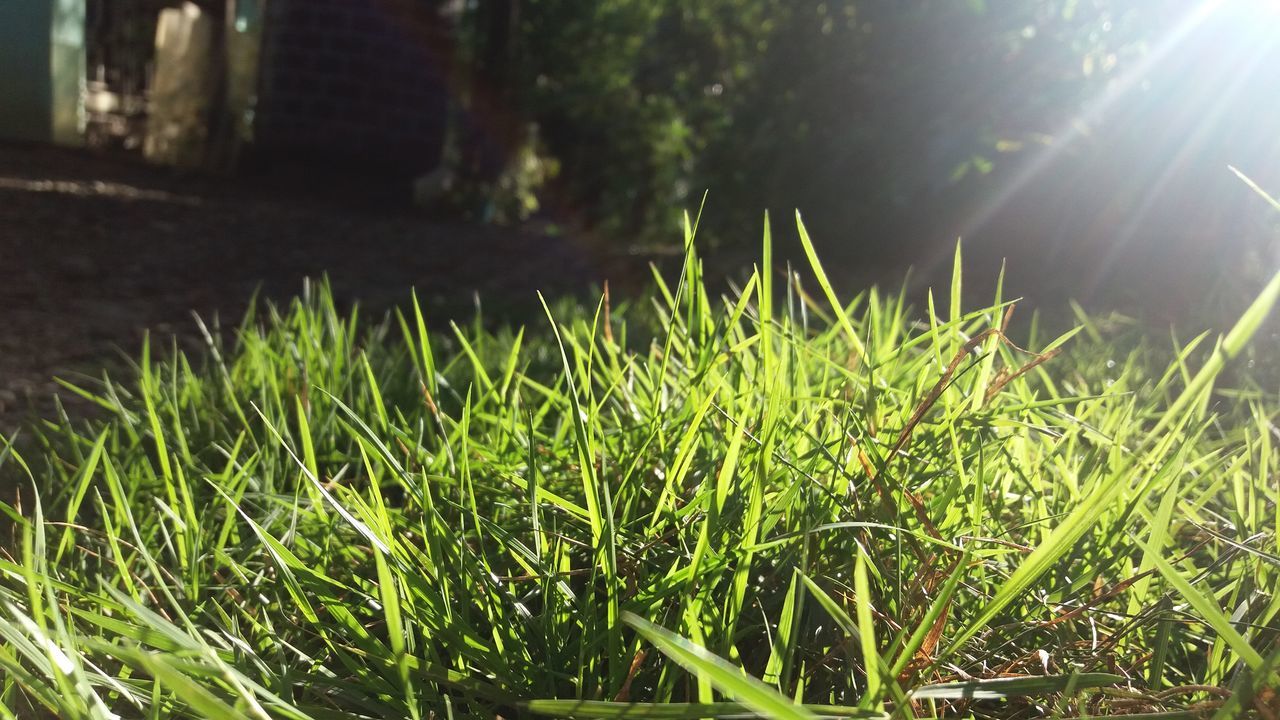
(854, 110)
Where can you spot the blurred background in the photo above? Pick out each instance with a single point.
(159, 156)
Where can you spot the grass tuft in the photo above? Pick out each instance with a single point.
(755, 505)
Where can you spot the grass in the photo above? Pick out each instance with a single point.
(777, 503)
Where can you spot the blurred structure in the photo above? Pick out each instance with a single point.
(42, 70)
(346, 83)
(183, 88)
(1092, 138)
(361, 83)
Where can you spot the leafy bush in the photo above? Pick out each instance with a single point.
(865, 507)
(850, 109)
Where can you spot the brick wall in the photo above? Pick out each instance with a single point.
(354, 84)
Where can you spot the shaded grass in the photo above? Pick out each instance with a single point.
(773, 503)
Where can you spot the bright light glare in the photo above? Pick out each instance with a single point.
(1161, 134)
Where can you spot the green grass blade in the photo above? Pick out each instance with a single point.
(726, 678)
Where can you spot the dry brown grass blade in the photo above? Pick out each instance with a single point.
(923, 657)
(935, 392)
(624, 692)
(1005, 377)
(921, 410)
(1002, 379)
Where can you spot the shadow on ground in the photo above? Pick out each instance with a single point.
(95, 251)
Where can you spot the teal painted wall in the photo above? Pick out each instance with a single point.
(42, 70)
(26, 82)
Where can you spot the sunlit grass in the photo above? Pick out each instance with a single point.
(776, 503)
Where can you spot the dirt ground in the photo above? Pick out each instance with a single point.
(94, 251)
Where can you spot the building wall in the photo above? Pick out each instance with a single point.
(356, 84)
(42, 72)
(25, 82)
